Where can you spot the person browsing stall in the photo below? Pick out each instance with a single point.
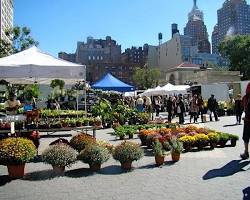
(12, 104)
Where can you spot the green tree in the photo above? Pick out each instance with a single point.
(237, 50)
(146, 78)
(20, 40)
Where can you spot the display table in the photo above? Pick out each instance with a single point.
(50, 131)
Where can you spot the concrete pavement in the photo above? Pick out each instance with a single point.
(209, 175)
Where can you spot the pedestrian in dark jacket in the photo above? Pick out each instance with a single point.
(212, 106)
(246, 132)
(170, 109)
(238, 108)
(180, 109)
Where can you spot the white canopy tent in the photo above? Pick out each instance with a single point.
(166, 90)
(34, 65)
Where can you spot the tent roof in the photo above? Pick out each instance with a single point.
(109, 82)
(34, 56)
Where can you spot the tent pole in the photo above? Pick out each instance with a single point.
(85, 92)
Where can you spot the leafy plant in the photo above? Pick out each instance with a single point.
(106, 145)
(213, 137)
(94, 154)
(158, 148)
(60, 154)
(201, 138)
(175, 145)
(16, 151)
(127, 152)
(224, 137)
(80, 141)
(187, 140)
(233, 137)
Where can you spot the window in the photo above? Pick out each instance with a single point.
(89, 57)
(93, 57)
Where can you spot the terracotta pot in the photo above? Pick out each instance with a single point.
(65, 124)
(78, 124)
(233, 143)
(122, 137)
(159, 160)
(175, 156)
(95, 167)
(16, 171)
(58, 170)
(126, 166)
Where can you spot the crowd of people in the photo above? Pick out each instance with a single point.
(176, 106)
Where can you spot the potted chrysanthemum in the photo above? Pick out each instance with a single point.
(59, 155)
(15, 152)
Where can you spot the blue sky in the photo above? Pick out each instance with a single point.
(59, 24)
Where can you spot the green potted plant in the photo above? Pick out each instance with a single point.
(94, 155)
(59, 155)
(176, 148)
(213, 139)
(126, 153)
(159, 153)
(120, 132)
(224, 137)
(80, 141)
(233, 139)
(15, 152)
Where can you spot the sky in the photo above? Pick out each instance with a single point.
(58, 24)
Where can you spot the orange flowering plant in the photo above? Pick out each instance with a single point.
(16, 151)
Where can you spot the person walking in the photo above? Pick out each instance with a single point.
(157, 105)
(246, 132)
(180, 109)
(238, 109)
(170, 109)
(139, 104)
(212, 106)
(201, 107)
(194, 108)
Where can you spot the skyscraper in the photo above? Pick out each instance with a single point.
(233, 19)
(6, 20)
(197, 30)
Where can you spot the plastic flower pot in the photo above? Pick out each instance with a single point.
(159, 160)
(16, 171)
(126, 165)
(222, 143)
(233, 142)
(213, 145)
(131, 136)
(95, 167)
(58, 170)
(175, 156)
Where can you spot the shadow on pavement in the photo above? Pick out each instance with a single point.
(39, 175)
(78, 173)
(246, 193)
(4, 180)
(228, 125)
(111, 170)
(150, 166)
(229, 169)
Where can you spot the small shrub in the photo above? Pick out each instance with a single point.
(80, 141)
(127, 152)
(158, 148)
(60, 154)
(16, 151)
(94, 154)
(174, 145)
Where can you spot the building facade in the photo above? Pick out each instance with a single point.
(197, 30)
(6, 20)
(233, 19)
(134, 56)
(102, 56)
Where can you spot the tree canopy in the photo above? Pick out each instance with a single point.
(237, 50)
(146, 78)
(20, 40)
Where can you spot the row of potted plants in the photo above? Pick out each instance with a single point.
(47, 113)
(191, 136)
(130, 130)
(16, 151)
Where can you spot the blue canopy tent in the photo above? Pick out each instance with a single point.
(109, 82)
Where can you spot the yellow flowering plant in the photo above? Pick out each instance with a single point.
(16, 151)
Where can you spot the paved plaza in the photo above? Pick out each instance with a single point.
(209, 175)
